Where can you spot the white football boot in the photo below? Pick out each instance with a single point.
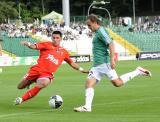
(143, 71)
(82, 109)
(18, 101)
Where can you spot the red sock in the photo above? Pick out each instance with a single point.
(31, 93)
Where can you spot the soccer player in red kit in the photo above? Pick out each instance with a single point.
(51, 57)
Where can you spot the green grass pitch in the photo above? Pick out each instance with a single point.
(137, 101)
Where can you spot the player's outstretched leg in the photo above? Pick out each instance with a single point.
(143, 71)
(28, 95)
(128, 76)
(40, 83)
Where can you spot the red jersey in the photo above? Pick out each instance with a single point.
(51, 57)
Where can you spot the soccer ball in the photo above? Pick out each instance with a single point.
(55, 101)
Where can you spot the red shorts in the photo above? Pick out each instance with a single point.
(34, 73)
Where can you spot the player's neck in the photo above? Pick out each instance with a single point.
(97, 27)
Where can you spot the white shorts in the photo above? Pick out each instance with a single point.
(104, 69)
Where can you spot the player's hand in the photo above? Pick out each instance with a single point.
(23, 42)
(113, 64)
(83, 70)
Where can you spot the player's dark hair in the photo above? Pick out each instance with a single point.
(94, 18)
(57, 32)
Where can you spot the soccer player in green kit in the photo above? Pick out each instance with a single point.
(103, 63)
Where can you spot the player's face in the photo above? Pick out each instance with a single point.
(56, 39)
(91, 25)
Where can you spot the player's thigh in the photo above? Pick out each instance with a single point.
(28, 79)
(43, 82)
(94, 77)
(109, 72)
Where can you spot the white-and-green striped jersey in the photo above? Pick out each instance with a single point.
(100, 49)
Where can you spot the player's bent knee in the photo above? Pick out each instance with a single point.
(90, 83)
(23, 84)
(20, 86)
(42, 83)
(117, 83)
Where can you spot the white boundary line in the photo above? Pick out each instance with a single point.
(129, 101)
(120, 102)
(25, 113)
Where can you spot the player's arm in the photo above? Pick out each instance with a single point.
(28, 44)
(77, 67)
(108, 41)
(74, 65)
(111, 49)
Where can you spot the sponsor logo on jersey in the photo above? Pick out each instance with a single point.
(52, 59)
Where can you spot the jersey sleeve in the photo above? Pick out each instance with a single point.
(41, 45)
(67, 58)
(105, 36)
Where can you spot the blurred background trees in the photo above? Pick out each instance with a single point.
(32, 9)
